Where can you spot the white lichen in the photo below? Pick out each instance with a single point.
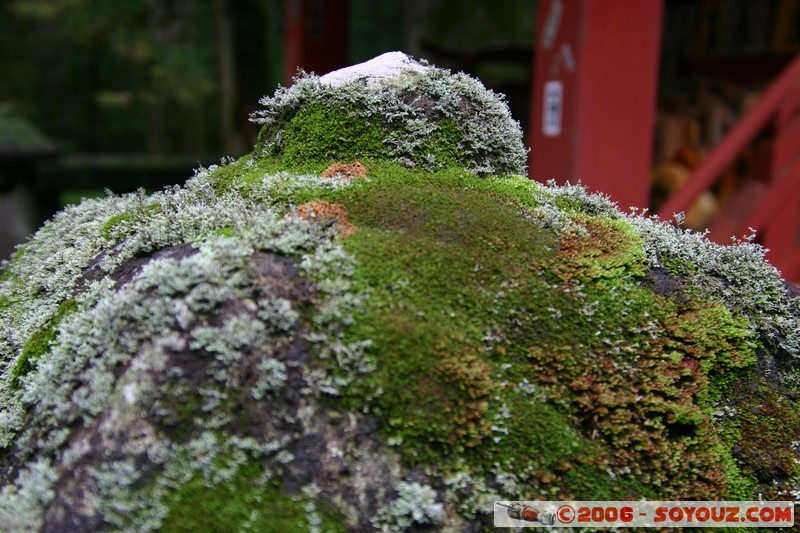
(415, 504)
(138, 324)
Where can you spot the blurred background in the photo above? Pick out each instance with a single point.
(671, 105)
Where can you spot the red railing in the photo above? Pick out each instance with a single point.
(769, 202)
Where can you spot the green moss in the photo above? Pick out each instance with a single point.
(723, 344)
(559, 459)
(678, 266)
(569, 205)
(609, 248)
(740, 481)
(7, 272)
(241, 503)
(246, 170)
(513, 334)
(39, 343)
(437, 264)
(468, 298)
(227, 231)
(317, 134)
(313, 139)
(428, 120)
(187, 405)
(442, 145)
(122, 220)
(764, 432)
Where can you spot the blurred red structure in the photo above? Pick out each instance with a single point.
(594, 95)
(316, 36)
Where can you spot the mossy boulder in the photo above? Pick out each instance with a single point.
(396, 344)
(395, 109)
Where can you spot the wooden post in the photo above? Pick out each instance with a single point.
(316, 36)
(594, 95)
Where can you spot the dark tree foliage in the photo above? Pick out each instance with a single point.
(132, 75)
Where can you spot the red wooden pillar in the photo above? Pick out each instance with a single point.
(594, 95)
(782, 235)
(316, 36)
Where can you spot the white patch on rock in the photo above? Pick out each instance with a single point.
(382, 70)
(129, 392)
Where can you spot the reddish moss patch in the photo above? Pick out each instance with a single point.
(767, 424)
(647, 400)
(323, 211)
(644, 413)
(608, 248)
(348, 170)
(470, 376)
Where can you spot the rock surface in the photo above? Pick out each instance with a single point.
(299, 341)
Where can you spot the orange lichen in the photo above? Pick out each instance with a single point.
(322, 211)
(347, 170)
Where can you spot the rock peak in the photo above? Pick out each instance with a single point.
(377, 70)
(391, 108)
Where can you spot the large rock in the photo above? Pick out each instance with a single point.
(269, 349)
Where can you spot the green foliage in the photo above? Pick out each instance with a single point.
(20, 135)
(123, 65)
(515, 20)
(179, 67)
